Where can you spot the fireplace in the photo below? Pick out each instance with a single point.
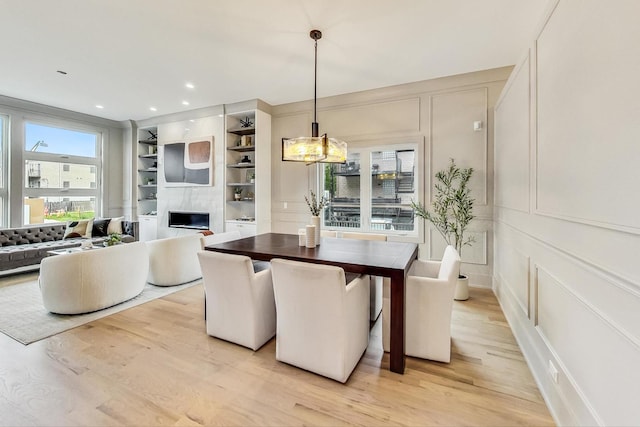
(195, 220)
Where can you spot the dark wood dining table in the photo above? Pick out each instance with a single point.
(379, 258)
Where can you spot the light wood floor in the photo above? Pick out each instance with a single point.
(154, 365)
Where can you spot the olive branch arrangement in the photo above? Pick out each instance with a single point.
(452, 208)
(315, 205)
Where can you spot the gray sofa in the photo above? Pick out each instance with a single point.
(23, 248)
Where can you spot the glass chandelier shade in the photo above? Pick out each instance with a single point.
(314, 148)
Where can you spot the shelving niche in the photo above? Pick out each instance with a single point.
(147, 185)
(248, 166)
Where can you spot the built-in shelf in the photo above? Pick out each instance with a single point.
(243, 131)
(247, 172)
(242, 165)
(147, 159)
(241, 149)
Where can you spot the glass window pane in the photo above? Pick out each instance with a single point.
(48, 139)
(39, 210)
(3, 124)
(41, 174)
(392, 189)
(342, 186)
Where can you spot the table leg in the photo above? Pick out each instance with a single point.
(396, 333)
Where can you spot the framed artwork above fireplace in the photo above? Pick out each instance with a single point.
(189, 163)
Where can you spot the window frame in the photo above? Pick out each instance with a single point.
(35, 156)
(365, 149)
(5, 123)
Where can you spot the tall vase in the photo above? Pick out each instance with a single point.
(315, 220)
(462, 288)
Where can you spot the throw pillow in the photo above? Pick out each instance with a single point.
(81, 228)
(100, 227)
(115, 225)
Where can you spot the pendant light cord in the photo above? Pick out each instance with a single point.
(315, 79)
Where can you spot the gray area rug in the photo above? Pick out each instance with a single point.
(24, 318)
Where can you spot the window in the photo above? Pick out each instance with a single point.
(342, 182)
(4, 192)
(392, 188)
(62, 168)
(373, 190)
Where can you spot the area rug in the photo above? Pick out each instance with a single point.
(24, 318)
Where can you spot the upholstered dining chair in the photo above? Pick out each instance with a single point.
(377, 283)
(429, 290)
(239, 302)
(228, 236)
(328, 233)
(322, 321)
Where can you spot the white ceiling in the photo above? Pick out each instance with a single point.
(129, 55)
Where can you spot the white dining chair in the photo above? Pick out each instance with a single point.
(322, 321)
(328, 233)
(240, 306)
(377, 283)
(429, 290)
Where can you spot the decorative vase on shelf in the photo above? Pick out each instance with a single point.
(315, 220)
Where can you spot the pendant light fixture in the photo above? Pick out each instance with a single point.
(314, 148)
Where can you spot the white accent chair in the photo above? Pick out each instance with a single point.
(239, 302)
(430, 286)
(174, 260)
(322, 322)
(90, 280)
(377, 283)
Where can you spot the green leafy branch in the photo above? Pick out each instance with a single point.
(452, 208)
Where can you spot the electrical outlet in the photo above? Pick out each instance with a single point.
(553, 372)
(286, 205)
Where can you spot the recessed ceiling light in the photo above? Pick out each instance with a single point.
(61, 72)
(187, 129)
(189, 85)
(99, 106)
(220, 115)
(192, 121)
(153, 109)
(185, 102)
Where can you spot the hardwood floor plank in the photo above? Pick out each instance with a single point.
(154, 364)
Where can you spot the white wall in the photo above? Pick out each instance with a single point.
(438, 113)
(567, 228)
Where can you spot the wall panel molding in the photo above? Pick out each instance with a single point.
(512, 182)
(478, 249)
(609, 275)
(457, 151)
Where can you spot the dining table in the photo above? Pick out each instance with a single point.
(377, 258)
